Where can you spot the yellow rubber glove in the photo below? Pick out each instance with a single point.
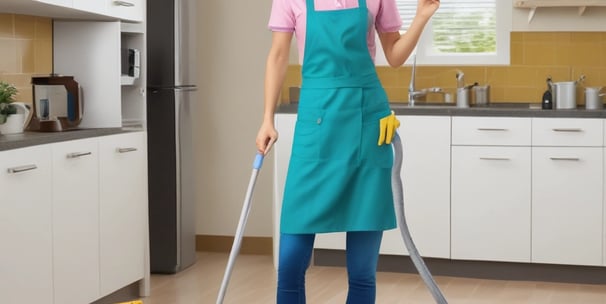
(387, 128)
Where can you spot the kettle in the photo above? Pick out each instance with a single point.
(57, 104)
(16, 123)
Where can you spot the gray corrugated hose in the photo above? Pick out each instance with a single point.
(398, 199)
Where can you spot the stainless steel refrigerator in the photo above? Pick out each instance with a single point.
(171, 98)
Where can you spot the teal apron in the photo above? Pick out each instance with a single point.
(338, 178)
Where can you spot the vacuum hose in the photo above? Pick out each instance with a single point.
(398, 199)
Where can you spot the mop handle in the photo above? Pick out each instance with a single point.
(235, 249)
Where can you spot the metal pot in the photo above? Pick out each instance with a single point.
(481, 95)
(565, 94)
(593, 98)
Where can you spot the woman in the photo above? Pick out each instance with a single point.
(338, 177)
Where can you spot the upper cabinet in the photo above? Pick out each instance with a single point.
(127, 10)
(533, 5)
(131, 10)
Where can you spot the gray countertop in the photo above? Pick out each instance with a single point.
(495, 109)
(26, 139)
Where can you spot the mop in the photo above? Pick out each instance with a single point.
(398, 198)
(235, 248)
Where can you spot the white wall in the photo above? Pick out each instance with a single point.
(233, 43)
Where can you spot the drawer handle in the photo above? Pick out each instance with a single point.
(492, 129)
(124, 3)
(567, 130)
(494, 158)
(22, 169)
(126, 150)
(78, 154)
(565, 158)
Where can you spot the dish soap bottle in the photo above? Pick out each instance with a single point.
(547, 101)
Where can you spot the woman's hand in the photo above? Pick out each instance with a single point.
(426, 8)
(266, 137)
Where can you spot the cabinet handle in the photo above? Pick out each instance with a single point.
(126, 150)
(22, 169)
(565, 158)
(78, 154)
(124, 3)
(491, 129)
(494, 158)
(567, 130)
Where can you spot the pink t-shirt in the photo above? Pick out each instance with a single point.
(290, 16)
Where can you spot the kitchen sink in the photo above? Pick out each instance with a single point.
(438, 105)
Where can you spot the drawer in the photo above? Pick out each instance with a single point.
(491, 131)
(567, 132)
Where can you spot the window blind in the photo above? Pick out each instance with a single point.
(464, 26)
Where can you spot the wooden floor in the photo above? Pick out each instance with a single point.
(253, 281)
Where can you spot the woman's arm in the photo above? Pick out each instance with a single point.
(398, 47)
(275, 70)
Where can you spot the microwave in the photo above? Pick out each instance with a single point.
(131, 62)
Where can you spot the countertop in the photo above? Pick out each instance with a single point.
(495, 109)
(26, 139)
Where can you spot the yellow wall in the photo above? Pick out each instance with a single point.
(26, 48)
(534, 55)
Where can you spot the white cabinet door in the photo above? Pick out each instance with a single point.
(131, 10)
(92, 6)
(426, 181)
(64, 3)
(491, 203)
(25, 226)
(123, 209)
(75, 202)
(567, 205)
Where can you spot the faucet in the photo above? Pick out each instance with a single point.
(411, 86)
(412, 93)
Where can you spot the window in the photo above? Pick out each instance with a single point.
(463, 32)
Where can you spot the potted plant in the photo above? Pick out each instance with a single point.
(7, 95)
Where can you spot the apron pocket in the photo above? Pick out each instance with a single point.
(305, 142)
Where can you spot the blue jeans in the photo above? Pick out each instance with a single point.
(362, 257)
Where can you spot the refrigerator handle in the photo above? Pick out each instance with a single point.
(178, 107)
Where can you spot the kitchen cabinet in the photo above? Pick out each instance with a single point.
(123, 209)
(533, 5)
(64, 3)
(75, 201)
(26, 258)
(490, 189)
(567, 205)
(73, 219)
(491, 203)
(75, 43)
(109, 102)
(131, 10)
(100, 10)
(567, 191)
(426, 181)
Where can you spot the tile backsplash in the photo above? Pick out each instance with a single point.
(26, 49)
(534, 55)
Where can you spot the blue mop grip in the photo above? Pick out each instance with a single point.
(258, 161)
